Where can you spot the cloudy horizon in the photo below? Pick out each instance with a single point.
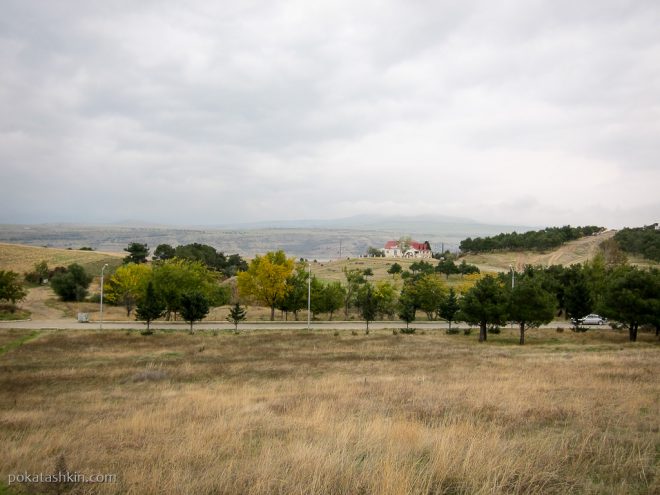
(528, 113)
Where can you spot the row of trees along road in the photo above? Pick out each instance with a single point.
(606, 284)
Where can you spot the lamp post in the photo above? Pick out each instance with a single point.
(309, 295)
(101, 322)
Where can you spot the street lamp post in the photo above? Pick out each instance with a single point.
(309, 295)
(101, 322)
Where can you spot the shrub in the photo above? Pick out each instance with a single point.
(494, 330)
(408, 331)
(467, 331)
(453, 331)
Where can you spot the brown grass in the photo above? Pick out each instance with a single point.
(294, 412)
(21, 258)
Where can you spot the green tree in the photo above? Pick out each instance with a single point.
(631, 297)
(194, 307)
(72, 284)
(164, 252)
(354, 280)
(467, 269)
(150, 307)
(449, 307)
(577, 295)
(368, 303)
(447, 267)
(386, 298)
(236, 315)
(394, 269)
(530, 305)
(11, 288)
(373, 252)
(485, 304)
(174, 277)
(317, 297)
(430, 291)
(421, 268)
(127, 285)
(41, 269)
(406, 309)
(137, 253)
(333, 295)
(266, 279)
(295, 298)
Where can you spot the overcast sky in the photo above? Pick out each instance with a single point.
(526, 112)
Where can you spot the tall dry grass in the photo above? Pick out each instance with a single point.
(290, 412)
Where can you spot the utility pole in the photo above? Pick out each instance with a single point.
(101, 322)
(309, 294)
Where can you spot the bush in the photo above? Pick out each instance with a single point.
(467, 331)
(453, 331)
(408, 331)
(495, 330)
(72, 284)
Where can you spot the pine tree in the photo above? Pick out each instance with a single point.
(236, 315)
(150, 308)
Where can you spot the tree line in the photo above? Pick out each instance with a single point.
(644, 241)
(177, 286)
(550, 237)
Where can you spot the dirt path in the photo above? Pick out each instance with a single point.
(36, 303)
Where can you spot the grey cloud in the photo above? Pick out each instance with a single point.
(259, 109)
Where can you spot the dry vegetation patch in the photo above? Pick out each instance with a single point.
(299, 412)
(21, 258)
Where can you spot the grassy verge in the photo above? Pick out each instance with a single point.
(22, 339)
(19, 314)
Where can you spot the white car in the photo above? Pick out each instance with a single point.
(593, 319)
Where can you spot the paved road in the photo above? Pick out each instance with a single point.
(63, 324)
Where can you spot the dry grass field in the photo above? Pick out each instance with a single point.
(297, 412)
(22, 259)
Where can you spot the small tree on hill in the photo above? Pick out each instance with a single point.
(394, 269)
(137, 253)
(194, 307)
(149, 308)
(164, 252)
(237, 314)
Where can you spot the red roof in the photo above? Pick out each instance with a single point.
(419, 246)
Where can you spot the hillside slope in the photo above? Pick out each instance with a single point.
(21, 258)
(572, 252)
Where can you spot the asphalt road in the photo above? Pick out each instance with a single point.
(64, 324)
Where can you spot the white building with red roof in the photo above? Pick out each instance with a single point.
(412, 249)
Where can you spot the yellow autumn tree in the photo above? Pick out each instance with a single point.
(126, 285)
(266, 279)
(469, 281)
